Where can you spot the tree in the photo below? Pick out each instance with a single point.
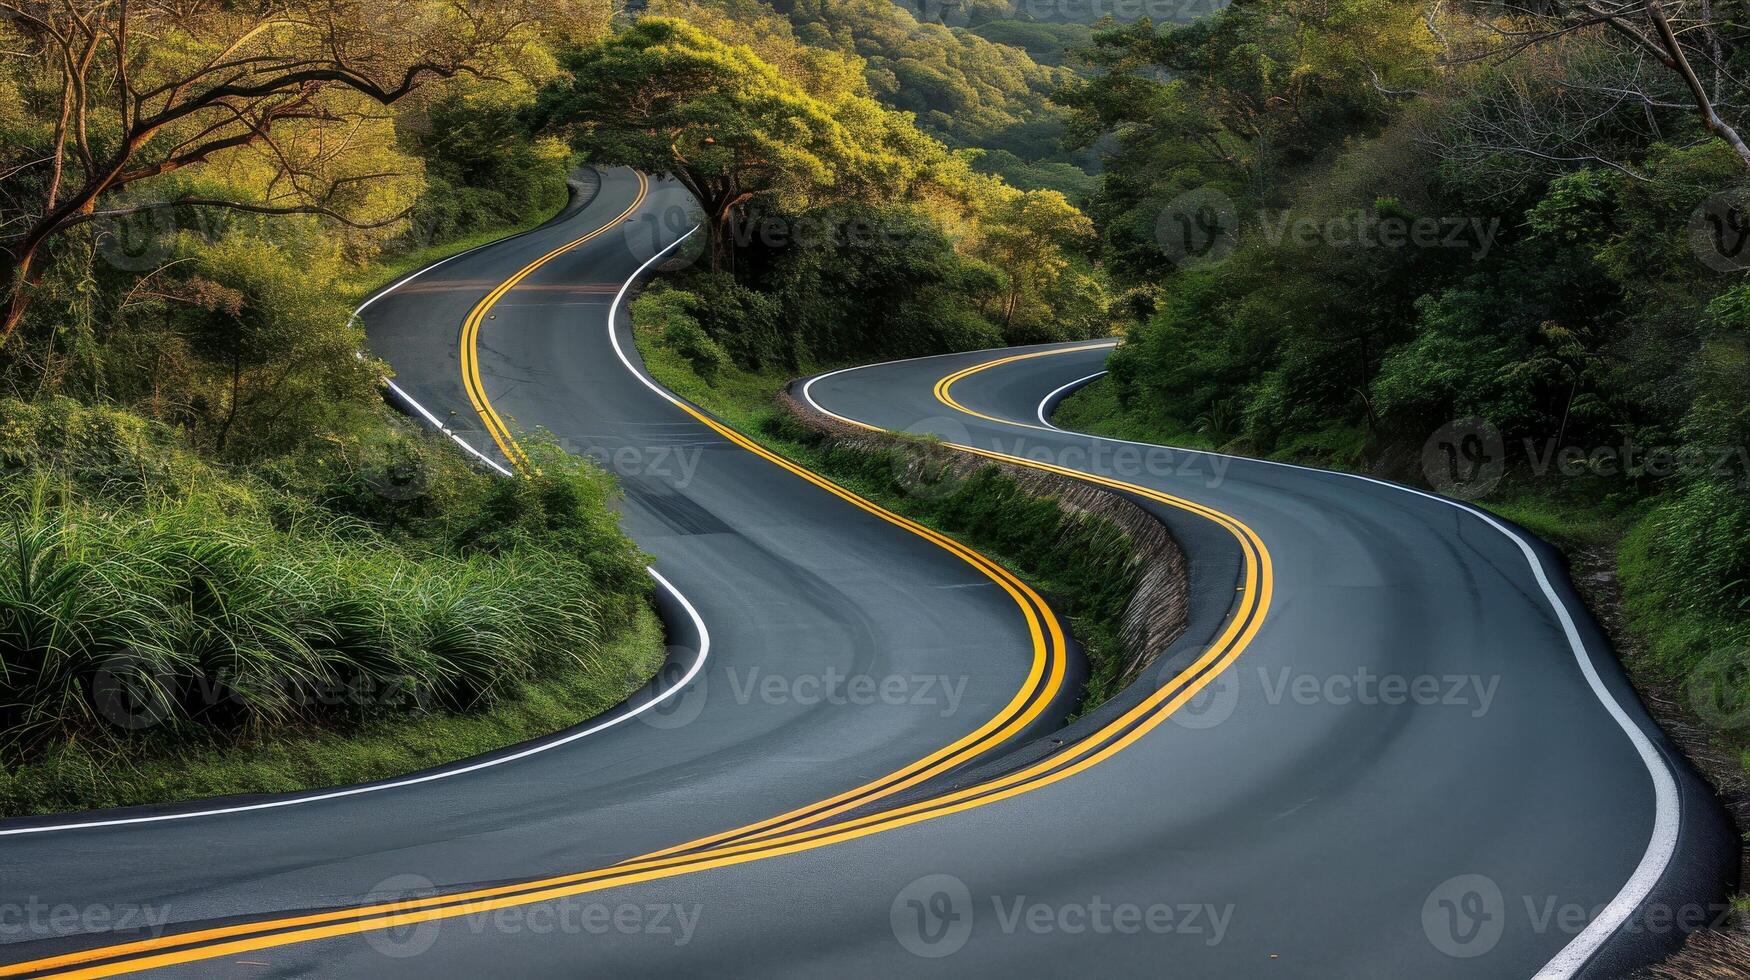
(143, 89)
(667, 98)
(1030, 237)
(1669, 55)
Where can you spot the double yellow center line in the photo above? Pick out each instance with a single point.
(470, 342)
(799, 830)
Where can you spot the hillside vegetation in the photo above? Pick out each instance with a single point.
(834, 227)
(1489, 249)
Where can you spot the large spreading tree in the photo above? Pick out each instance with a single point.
(667, 98)
(132, 96)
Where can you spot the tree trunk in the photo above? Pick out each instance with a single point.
(722, 243)
(15, 274)
(717, 227)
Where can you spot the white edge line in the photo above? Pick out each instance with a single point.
(693, 671)
(421, 409)
(614, 311)
(1666, 817)
(497, 467)
(1058, 391)
(386, 290)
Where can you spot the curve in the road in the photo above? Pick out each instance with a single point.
(1041, 687)
(1661, 846)
(1683, 860)
(1328, 824)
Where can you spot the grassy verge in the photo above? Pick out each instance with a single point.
(1083, 563)
(79, 775)
(170, 628)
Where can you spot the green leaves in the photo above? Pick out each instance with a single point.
(668, 98)
(183, 601)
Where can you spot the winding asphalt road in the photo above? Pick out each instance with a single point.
(1390, 744)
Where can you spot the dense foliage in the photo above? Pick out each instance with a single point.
(837, 229)
(194, 198)
(1349, 226)
(972, 81)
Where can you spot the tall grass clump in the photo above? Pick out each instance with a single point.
(144, 595)
(1686, 578)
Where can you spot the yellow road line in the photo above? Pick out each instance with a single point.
(956, 752)
(1256, 593)
(1049, 660)
(1000, 727)
(944, 384)
(470, 341)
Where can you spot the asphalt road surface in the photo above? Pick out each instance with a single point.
(1391, 743)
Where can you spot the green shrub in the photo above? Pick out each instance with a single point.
(670, 314)
(200, 601)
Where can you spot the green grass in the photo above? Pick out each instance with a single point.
(1568, 524)
(1094, 408)
(75, 775)
(167, 625)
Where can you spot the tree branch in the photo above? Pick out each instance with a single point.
(208, 202)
